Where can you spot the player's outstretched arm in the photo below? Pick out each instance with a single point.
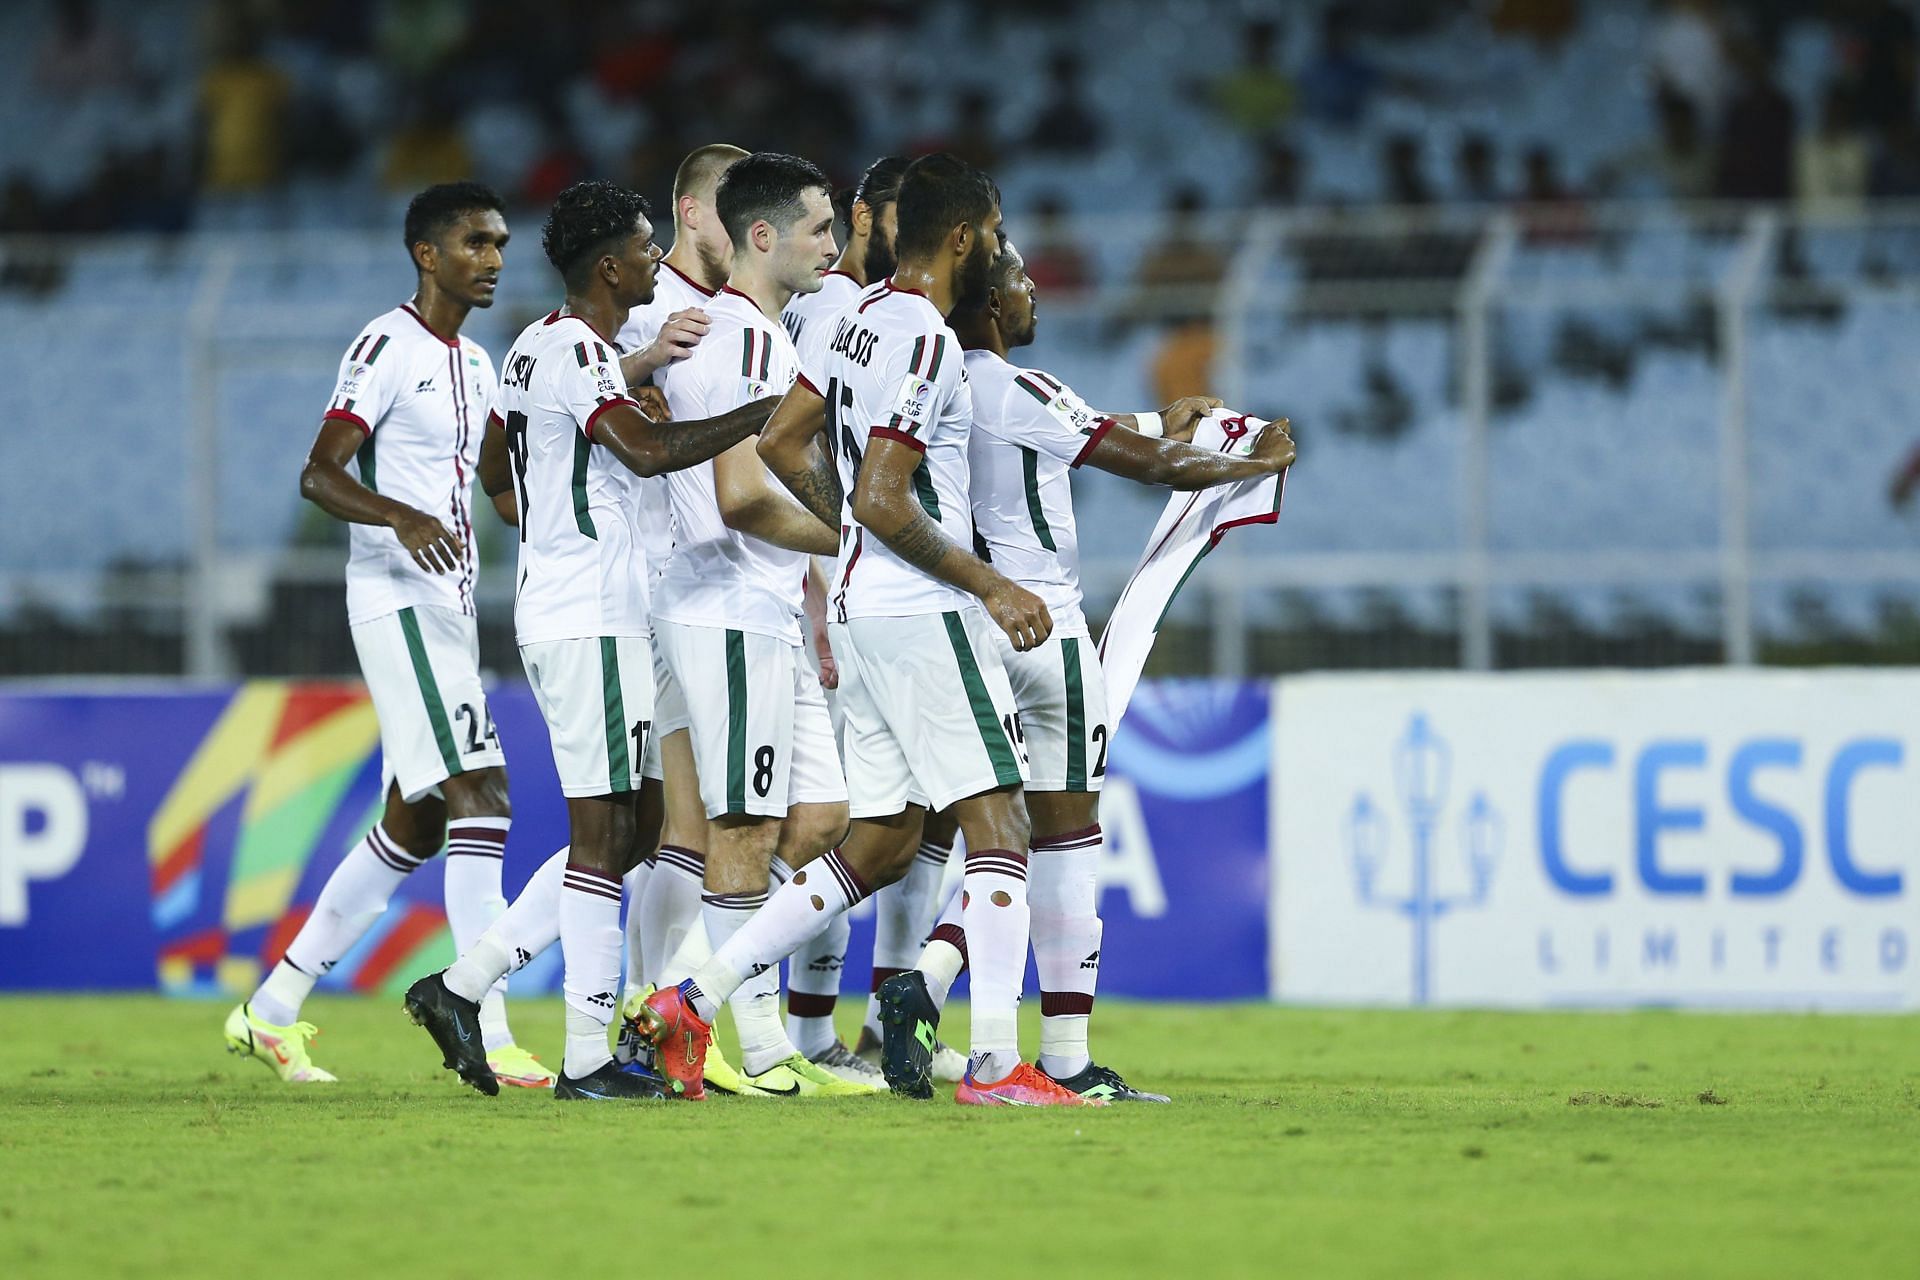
(651, 448)
(883, 503)
(327, 484)
(496, 470)
(794, 449)
(1179, 465)
(751, 503)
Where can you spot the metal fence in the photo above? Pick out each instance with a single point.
(1528, 437)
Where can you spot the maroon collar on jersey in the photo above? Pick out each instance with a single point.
(727, 288)
(704, 291)
(408, 308)
(557, 314)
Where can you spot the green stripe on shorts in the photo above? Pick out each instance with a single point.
(429, 690)
(736, 722)
(993, 735)
(619, 769)
(1076, 716)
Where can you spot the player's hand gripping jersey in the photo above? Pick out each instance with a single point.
(892, 369)
(422, 402)
(583, 571)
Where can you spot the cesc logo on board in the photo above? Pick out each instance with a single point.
(43, 831)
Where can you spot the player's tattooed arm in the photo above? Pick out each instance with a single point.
(651, 448)
(1178, 465)
(796, 450)
(884, 504)
(328, 485)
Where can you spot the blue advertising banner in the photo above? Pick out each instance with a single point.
(177, 839)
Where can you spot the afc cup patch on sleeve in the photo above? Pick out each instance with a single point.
(604, 382)
(356, 378)
(914, 401)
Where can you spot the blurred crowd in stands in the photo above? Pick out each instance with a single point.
(396, 93)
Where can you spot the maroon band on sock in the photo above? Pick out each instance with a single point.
(584, 879)
(848, 879)
(476, 842)
(954, 936)
(390, 853)
(1054, 1004)
(881, 975)
(999, 862)
(1069, 840)
(681, 859)
(808, 1004)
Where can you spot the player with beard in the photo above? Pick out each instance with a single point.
(903, 911)
(1030, 432)
(930, 718)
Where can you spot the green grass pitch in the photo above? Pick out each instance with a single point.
(1302, 1143)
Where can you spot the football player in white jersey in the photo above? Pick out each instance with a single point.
(570, 442)
(664, 886)
(1030, 433)
(395, 459)
(904, 911)
(727, 612)
(930, 716)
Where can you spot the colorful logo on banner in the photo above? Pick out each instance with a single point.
(285, 773)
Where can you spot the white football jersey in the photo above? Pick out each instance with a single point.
(583, 570)
(1029, 432)
(720, 577)
(809, 316)
(422, 402)
(672, 291)
(892, 368)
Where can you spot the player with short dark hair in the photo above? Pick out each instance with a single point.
(727, 616)
(1030, 432)
(395, 459)
(570, 443)
(930, 716)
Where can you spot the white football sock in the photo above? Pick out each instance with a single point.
(994, 909)
(590, 947)
(635, 883)
(355, 895)
(813, 980)
(944, 958)
(528, 927)
(756, 1002)
(476, 848)
(903, 912)
(797, 910)
(1063, 894)
(669, 910)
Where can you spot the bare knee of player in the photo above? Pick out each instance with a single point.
(940, 828)
(810, 830)
(419, 827)
(1055, 813)
(995, 819)
(686, 817)
(879, 850)
(739, 852)
(481, 793)
(601, 830)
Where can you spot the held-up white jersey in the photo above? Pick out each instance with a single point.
(809, 316)
(893, 369)
(422, 402)
(583, 571)
(1029, 432)
(720, 577)
(672, 292)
